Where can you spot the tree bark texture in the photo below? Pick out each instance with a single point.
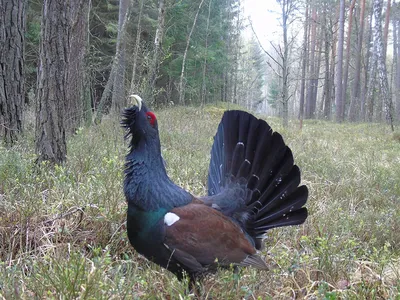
(316, 71)
(339, 66)
(347, 63)
(155, 64)
(396, 55)
(334, 29)
(310, 106)
(369, 74)
(133, 88)
(12, 79)
(286, 9)
(118, 95)
(356, 89)
(386, 28)
(204, 79)
(78, 39)
(52, 82)
(327, 79)
(379, 49)
(304, 65)
(181, 83)
(110, 85)
(398, 72)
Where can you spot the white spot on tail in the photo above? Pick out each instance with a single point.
(240, 143)
(170, 219)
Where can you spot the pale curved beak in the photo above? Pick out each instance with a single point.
(136, 100)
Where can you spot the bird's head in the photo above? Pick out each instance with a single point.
(139, 121)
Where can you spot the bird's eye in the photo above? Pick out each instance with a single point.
(151, 117)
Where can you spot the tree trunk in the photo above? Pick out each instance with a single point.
(87, 80)
(110, 85)
(181, 83)
(347, 64)
(304, 64)
(204, 79)
(118, 95)
(396, 56)
(381, 65)
(78, 39)
(133, 88)
(355, 91)
(386, 29)
(52, 82)
(316, 77)
(12, 79)
(369, 74)
(236, 57)
(370, 93)
(334, 33)
(285, 64)
(398, 71)
(157, 49)
(339, 68)
(327, 79)
(309, 101)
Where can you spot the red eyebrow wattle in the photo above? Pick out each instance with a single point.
(152, 117)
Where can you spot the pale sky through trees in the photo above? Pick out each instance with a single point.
(264, 15)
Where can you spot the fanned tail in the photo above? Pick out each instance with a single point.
(252, 176)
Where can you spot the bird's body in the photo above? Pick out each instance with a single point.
(253, 186)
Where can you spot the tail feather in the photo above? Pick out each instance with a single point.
(264, 143)
(294, 218)
(256, 130)
(282, 188)
(237, 158)
(244, 169)
(292, 203)
(273, 157)
(215, 177)
(285, 167)
(252, 173)
(230, 139)
(279, 188)
(244, 121)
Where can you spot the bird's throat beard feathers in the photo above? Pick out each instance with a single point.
(147, 185)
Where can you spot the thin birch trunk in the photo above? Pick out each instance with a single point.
(356, 89)
(108, 89)
(309, 113)
(181, 84)
(381, 66)
(348, 47)
(155, 64)
(339, 66)
(304, 68)
(204, 84)
(118, 95)
(133, 88)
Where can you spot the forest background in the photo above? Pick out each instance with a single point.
(327, 76)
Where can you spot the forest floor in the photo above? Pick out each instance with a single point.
(63, 234)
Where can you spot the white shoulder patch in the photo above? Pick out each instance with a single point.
(170, 218)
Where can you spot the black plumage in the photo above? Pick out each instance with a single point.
(253, 186)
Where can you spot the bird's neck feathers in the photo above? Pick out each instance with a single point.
(147, 185)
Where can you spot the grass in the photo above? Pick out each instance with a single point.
(63, 236)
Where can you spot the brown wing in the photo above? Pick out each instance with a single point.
(203, 236)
